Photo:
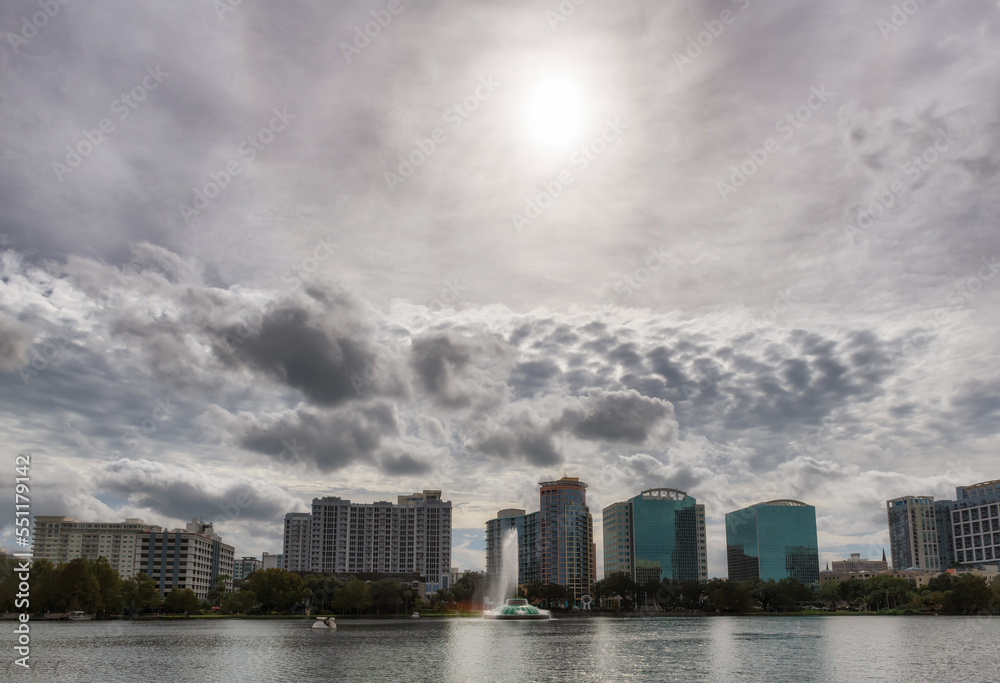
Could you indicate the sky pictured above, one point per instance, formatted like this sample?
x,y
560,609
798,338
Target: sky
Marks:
x,y
254,253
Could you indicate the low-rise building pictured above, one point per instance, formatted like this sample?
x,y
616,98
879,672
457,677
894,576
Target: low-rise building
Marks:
x,y
857,564
244,567
271,561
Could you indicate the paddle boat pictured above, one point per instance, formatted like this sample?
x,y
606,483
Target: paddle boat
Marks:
x,y
325,623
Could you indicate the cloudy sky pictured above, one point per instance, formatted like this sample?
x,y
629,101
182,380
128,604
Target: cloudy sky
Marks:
x,y
265,253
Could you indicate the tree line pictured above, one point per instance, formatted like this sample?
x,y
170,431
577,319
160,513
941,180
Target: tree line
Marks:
x,y
93,586
946,593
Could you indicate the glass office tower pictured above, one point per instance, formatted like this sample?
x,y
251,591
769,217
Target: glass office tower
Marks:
x,y
773,540
668,544
657,535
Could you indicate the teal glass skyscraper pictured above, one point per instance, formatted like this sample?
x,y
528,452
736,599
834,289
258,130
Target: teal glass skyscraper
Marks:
x,y
657,535
773,540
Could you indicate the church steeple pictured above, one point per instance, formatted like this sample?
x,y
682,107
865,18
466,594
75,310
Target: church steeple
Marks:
x,y
883,554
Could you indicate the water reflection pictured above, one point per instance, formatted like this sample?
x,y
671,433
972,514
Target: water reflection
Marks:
x,y
572,650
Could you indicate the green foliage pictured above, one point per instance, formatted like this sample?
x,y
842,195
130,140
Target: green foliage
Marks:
x,y
352,597
181,600
240,602
277,590
140,593
217,592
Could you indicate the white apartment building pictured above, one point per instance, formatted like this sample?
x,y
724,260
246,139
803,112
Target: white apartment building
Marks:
x,y
411,536
62,539
295,546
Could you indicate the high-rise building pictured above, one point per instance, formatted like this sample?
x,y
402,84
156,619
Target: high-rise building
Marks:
x,y
190,558
529,549
975,524
244,567
913,535
271,561
411,536
296,542
618,539
61,539
773,540
657,535
566,529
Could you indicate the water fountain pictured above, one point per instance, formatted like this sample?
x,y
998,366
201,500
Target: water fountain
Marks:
x,y
511,608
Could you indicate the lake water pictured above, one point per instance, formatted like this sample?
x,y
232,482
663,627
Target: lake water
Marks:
x,y
848,649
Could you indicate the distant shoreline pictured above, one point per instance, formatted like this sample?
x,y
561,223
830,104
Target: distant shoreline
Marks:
x,y
556,616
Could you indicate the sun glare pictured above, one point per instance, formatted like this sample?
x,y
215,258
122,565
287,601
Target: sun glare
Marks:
x,y
554,112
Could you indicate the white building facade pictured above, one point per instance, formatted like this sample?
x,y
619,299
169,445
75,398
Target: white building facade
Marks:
x,y
411,536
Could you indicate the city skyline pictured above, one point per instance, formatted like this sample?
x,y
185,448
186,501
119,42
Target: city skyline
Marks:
x,y
254,256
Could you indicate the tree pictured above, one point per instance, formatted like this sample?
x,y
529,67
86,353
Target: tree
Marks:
x,y
240,602
829,593
218,590
276,589
140,593
353,596
78,586
109,585
181,600
621,584
385,596
969,594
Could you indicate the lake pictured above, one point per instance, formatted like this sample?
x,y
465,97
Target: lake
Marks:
x,y
825,648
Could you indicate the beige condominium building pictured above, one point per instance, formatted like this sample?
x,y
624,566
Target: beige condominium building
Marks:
x,y
62,539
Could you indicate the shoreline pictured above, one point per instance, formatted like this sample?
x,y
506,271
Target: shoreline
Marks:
x,y
555,616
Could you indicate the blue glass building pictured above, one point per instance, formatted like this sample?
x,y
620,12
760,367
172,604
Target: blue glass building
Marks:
x,y
773,540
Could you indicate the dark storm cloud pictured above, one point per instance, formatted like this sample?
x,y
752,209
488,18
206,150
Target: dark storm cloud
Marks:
x,y
329,439
617,417
183,494
522,438
530,377
329,367
436,361
976,406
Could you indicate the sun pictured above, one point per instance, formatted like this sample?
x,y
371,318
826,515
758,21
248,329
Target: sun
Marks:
x,y
554,111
